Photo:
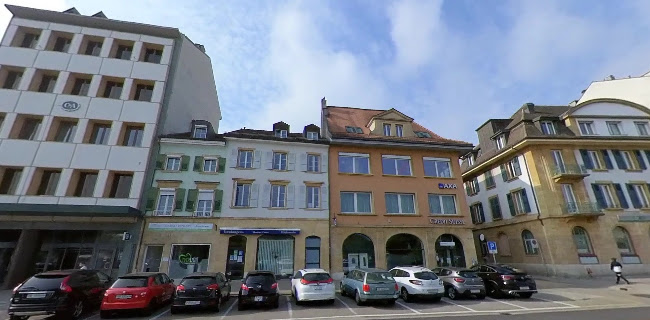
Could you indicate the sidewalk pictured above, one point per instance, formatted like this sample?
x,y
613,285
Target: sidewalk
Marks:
x,y
638,285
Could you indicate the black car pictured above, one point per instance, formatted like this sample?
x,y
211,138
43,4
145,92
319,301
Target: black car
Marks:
x,y
501,279
201,290
65,293
259,288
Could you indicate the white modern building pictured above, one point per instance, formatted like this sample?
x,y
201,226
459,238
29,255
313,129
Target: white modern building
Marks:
x,y
82,100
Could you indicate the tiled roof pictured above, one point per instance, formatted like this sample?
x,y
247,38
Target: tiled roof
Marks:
x,y
189,136
270,135
340,117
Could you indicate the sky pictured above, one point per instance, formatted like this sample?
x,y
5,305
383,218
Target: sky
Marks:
x,y
450,65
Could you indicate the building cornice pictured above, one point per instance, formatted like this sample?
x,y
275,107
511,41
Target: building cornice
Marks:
x,y
289,143
407,145
193,142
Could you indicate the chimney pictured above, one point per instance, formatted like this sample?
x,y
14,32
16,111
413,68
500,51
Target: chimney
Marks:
x,y
200,46
529,107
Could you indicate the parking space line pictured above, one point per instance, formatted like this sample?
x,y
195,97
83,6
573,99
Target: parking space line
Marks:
x,y
346,305
558,302
290,310
508,303
229,309
407,307
456,304
159,315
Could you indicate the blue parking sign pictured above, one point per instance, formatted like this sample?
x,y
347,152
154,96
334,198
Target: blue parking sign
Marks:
x,y
492,247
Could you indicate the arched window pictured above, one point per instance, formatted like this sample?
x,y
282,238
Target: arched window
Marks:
x,y
623,241
504,245
530,244
582,241
312,252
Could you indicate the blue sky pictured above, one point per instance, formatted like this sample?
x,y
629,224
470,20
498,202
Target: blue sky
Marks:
x,y
448,64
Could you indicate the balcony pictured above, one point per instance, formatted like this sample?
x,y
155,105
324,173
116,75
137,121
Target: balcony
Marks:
x,y
583,209
569,173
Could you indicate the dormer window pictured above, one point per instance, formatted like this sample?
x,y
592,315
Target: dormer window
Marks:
x,y
422,134
200,132
281,133
470,160
353,130
311,135
387,129
548,127
399,130
501,142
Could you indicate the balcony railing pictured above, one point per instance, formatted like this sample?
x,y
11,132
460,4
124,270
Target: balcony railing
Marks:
x,y
572,169
203,213
163,213
583,209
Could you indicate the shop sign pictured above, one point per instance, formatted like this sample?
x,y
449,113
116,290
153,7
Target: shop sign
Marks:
x,y
257,231
447,243
70,106
634,218
447,186
187,258
181,226
446,221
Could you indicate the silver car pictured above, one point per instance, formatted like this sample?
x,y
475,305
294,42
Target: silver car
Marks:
x,y
365,285
461,282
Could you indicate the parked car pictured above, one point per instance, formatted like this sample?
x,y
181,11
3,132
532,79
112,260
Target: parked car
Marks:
x,y
370,284
417,282
461,282
502,279
65,293
143,292
259,288
312,285
201,290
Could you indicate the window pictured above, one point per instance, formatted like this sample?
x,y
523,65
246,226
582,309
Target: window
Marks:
x,y
65,130
80,86
626,156
396,165
49,179
113,89
604,195
186,257
495,207
245,159
93,46
153,55
399,130
501,141
569,198
582,241
10,180
85,184
489,179
47,81
472,187
29,128
623,242
511,169
61,44
478,215
595,160
586,127
313,197
204,203
400,203
313,163
99,133
281,133
200,132
614,128
30,40
422,134
530,244
518,202
165,202
354,163
242,194
143,92
639,194
353,130
121,186
210,165
12,79
311,135
355,202
312,252
442,204
278,196
642,128
279,161
437,167
470,160
123,50
548,127
387,129
133,136
173,164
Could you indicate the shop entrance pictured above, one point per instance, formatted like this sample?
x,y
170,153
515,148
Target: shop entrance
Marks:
x,y
358,252
275,253
236,257
404,249
449,251
8,240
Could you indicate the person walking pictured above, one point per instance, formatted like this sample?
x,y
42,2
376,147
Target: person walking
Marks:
x,y
617,267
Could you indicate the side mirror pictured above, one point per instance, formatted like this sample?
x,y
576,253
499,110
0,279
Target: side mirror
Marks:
x,y
171,280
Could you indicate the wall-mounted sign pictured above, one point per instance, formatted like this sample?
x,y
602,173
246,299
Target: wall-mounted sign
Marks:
x,y
447,186
634,218
181,226
70,106
257,231
447,243
446,221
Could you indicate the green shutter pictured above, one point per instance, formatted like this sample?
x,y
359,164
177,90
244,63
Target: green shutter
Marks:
x,y
198,164
185,163
160,161
218,197
504,174
180,197
222,165
192,196
150,199
511,204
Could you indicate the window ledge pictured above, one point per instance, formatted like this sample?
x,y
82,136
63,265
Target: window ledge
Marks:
x,y
237,208
403,214
240,168
313,172
279,170
613,209
312,209
209,172
355,214
633,170
512,179
355,174
599,170
170,171
446,178
398,176
490,187
285,208
440,215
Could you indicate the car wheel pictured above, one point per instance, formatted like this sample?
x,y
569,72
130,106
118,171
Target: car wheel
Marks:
x,y
391,302
357,298
76,310
276,304
452,293
12,317
218,304
241,306
343,294
436,299
493,291
294,293
480,296
148,310
227,297
331,301
526,295
103,314
405,295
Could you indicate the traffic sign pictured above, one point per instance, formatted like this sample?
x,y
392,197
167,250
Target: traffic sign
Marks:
x,y
492,247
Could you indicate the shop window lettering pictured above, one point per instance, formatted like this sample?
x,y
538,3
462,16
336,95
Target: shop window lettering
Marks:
x,y
187,258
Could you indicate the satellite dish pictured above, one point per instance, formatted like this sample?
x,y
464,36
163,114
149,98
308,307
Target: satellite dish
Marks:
x,y
482,237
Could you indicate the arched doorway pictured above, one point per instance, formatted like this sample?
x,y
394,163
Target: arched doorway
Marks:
x,y
275,253
358,252
404,249
236,257
449,251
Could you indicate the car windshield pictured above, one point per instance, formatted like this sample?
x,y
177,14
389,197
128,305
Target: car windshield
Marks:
x,y
198,281
260,279
467,274
44,281
131,282
379,277
316,277
425,275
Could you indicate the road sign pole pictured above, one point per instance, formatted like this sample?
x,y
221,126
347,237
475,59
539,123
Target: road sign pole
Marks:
x,y
494,257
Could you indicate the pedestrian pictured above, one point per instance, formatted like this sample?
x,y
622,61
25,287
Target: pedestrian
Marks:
x,y
82,266
617,267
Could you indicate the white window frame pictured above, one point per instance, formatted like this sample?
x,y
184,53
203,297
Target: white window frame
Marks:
x,y
399,130
245,202
204,206
587,128
399,203
569,197
210,168
311,135
641,194
518,202
280,161
595,159
642,128
440,196
394,157
611,125
475,211
203,135
248,161
387,129
435,166
550,127
313,166
629,161
470,160
278,200
169,206
313,199
356,193
500,141
558,160
282,133
356,157
176,166
510,168
608,195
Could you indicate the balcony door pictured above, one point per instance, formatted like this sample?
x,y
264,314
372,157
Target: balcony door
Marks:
x,y
569,198
558,161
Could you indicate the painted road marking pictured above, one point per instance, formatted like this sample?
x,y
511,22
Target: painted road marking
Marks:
x,y
346,305
407,307
456,304
229,309
159,315
508,303
290,310
558,302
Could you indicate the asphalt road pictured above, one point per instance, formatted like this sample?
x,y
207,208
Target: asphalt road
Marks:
x,y
618,314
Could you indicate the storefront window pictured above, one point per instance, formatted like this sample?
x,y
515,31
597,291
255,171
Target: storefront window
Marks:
x,y
449,251
236,257
152,259
358,252
275,253
404,250
188,258
312,252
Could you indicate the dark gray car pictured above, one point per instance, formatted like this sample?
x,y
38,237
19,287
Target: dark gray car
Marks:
x,y
461,282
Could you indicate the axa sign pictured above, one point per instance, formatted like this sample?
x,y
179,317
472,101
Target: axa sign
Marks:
x,y
447,186
71,106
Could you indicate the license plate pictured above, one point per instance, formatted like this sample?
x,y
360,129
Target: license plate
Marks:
x,y
475,291
123,296
36,295
192,303
258,298
524,288
433,291
318,288
383,289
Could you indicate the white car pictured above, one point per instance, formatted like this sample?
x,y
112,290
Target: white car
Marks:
x,y
418,281
312,285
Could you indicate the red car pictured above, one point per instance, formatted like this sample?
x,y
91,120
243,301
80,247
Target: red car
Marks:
x,y
142,292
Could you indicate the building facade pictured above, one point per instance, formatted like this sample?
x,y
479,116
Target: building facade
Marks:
x,y
562,189
395,192
82,99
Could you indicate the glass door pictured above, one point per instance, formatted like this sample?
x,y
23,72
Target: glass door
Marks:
x,y
152,258
559,161
569,198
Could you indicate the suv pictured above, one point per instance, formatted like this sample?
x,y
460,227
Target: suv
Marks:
x,y
461,282
417,281
201,290
259,288
370,284
312,284
502,279
64,293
